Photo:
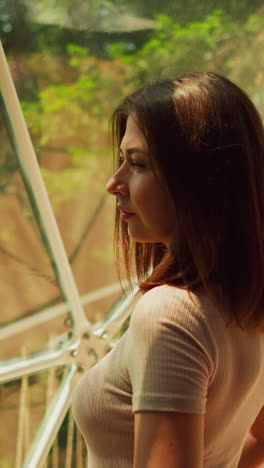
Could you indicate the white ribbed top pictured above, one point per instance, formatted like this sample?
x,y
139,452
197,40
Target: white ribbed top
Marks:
x,y
177,355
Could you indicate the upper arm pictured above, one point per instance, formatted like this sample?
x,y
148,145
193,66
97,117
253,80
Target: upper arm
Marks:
x,y
257,428
168,439
168,354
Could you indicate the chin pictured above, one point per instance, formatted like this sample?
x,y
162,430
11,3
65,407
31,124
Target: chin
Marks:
x,y
144,239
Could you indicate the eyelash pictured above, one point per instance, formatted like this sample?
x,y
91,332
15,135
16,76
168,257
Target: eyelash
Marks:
x,y
137,164
133,163
120,161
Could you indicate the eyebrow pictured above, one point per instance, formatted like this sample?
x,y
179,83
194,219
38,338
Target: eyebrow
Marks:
x,y
132,150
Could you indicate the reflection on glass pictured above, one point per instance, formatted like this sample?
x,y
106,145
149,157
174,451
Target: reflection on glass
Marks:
x,y
27,281
23,406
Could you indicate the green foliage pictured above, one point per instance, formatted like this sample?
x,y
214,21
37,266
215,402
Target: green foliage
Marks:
x,y
254,23
192,10
115,49
178,48
218,43
73,97
76,54
32,113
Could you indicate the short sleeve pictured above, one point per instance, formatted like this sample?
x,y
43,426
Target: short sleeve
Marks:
x,y
169,353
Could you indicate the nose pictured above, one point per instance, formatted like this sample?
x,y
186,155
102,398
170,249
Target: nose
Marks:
x,y
115,186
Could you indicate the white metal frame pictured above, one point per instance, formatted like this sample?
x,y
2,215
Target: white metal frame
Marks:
x,y
72,350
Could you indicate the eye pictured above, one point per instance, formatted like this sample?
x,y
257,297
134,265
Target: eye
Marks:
x,y
120,161
137,165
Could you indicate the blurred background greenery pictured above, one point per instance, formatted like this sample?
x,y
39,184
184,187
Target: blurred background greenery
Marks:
x,y
73,60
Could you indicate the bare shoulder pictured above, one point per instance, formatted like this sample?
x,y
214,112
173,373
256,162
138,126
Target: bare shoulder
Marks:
x,y
168,439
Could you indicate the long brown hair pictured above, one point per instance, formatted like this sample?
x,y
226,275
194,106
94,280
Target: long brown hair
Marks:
x,y
206,143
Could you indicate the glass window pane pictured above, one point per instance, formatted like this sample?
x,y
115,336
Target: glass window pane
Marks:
x,y
71,62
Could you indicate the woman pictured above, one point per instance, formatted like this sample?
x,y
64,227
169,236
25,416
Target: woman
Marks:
x,y
184,387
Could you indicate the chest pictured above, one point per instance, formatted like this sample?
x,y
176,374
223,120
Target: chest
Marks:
x,y
102,399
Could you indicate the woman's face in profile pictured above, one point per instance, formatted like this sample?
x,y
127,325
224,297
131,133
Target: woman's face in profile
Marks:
x,y
143,203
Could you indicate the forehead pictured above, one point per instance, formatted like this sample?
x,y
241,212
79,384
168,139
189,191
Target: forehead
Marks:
x,y
133,135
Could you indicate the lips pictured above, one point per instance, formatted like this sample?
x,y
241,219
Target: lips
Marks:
x,y
125,215
123,211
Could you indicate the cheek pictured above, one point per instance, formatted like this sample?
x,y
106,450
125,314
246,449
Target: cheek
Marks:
x,y
154,201
159,197
163,207
140,193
